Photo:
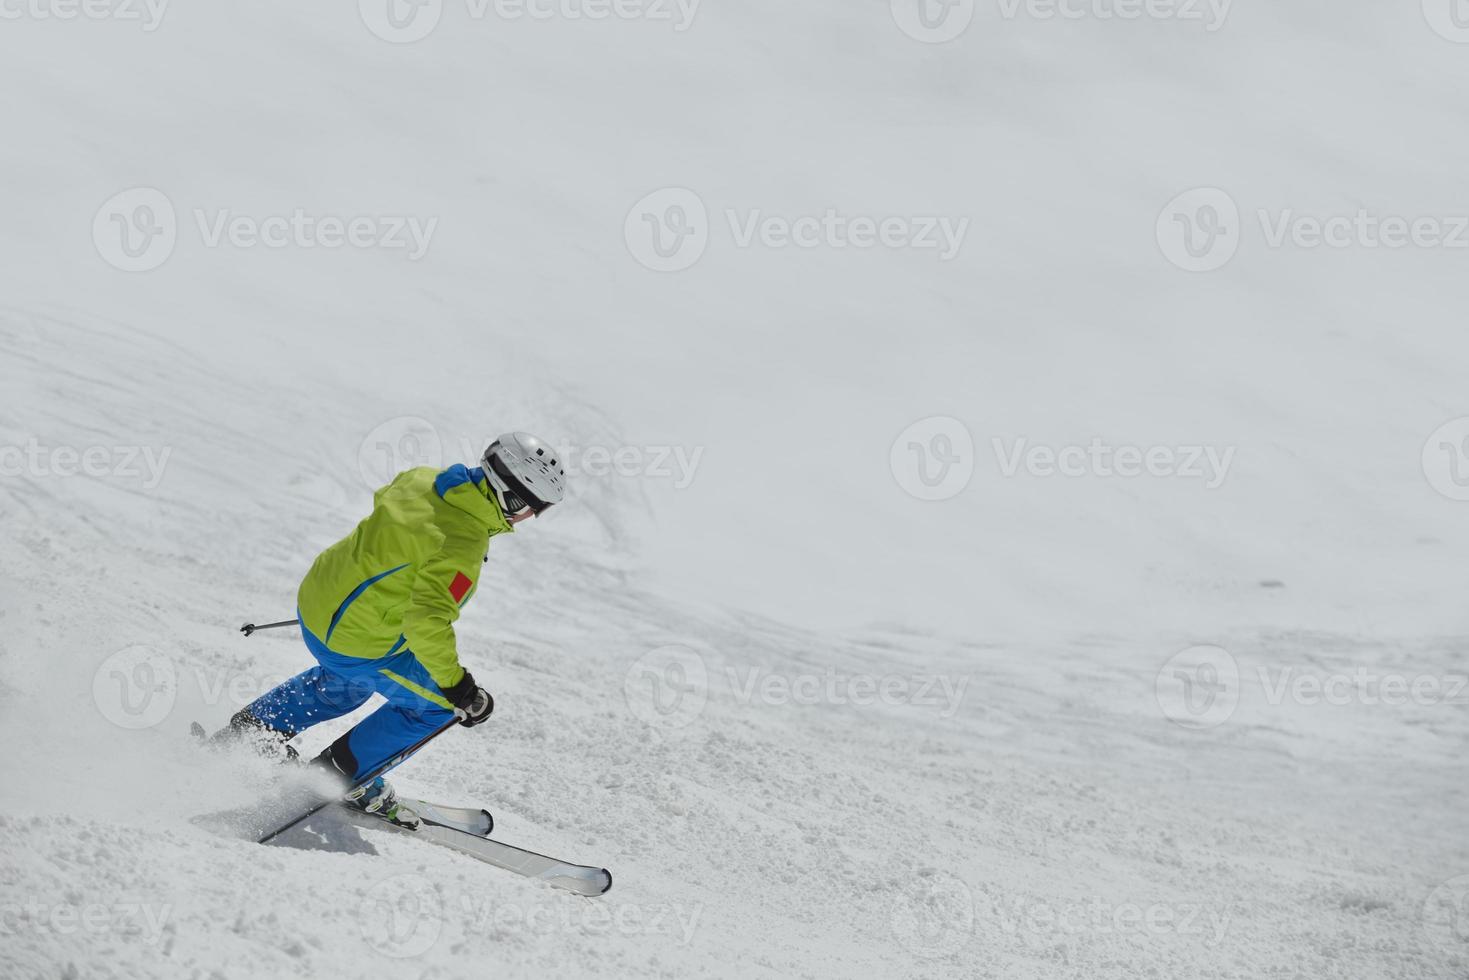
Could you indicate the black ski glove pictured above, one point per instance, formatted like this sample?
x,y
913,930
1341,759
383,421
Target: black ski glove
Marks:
x,y
474,702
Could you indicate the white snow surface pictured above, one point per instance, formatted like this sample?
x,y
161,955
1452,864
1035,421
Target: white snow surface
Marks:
x,y
1018,804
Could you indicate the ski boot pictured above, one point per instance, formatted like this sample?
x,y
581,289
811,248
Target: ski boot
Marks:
x,y
245,728
379,799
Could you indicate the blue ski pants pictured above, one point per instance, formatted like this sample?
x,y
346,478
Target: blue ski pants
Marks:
x,y
338,685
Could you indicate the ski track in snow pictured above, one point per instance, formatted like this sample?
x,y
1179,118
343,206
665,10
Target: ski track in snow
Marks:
x,y
757,840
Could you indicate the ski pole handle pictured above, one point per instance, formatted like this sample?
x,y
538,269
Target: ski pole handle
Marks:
x,y
250,628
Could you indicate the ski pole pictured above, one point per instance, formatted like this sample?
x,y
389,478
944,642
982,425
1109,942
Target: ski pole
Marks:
x,y
250,628
371,775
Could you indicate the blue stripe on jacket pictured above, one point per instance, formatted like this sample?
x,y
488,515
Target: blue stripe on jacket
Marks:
x,y
356,594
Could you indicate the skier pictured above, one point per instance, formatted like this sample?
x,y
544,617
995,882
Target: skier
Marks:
x,y
377,611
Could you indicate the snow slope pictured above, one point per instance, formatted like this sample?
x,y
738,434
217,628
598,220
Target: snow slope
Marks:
x,y
676,661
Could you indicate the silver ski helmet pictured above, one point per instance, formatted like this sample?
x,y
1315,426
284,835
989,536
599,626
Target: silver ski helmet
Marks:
x,y
523,471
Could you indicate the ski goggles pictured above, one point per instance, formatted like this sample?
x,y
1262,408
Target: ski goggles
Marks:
x,y
510,492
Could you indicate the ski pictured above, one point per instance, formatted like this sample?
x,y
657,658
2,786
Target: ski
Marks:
x,y
464,819
461,829
577,878
325,801
471,821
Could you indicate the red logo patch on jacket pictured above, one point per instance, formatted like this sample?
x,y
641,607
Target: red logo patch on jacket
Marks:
x,y
459,588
